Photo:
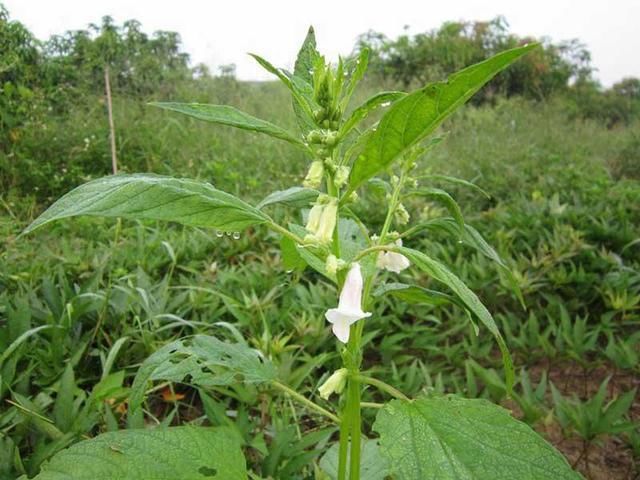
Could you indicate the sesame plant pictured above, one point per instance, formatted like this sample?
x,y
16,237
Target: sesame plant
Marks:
x,y
430,437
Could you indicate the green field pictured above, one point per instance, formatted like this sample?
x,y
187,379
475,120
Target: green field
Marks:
x,y
84,302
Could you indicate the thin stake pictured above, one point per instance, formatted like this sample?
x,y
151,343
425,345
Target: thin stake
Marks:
x,y
112,132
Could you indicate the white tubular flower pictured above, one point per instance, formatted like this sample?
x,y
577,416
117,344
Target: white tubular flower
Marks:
x,y
349,305
392,261
334,384
314,175
328,220
313,220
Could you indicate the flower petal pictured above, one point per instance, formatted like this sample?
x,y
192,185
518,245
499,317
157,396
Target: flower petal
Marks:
x,y
341,331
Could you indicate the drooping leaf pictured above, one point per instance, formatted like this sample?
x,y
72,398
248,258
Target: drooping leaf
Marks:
x,y
414,117
370,105
455,180
415,294
293,197
206,361
471,237
374,466
158,454
442,274
451,438
443,197
155,197
230,116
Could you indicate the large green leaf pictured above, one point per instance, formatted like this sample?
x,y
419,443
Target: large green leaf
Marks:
x,y
442,274
227,115
206,361
417,115
374,466
145,196
158,454
451,438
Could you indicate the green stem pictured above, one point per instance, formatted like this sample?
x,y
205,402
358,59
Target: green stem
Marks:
x,y
356,428
383,386
305,401
283,231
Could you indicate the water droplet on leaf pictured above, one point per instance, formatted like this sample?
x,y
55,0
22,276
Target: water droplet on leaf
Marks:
x,y
219,233
236,235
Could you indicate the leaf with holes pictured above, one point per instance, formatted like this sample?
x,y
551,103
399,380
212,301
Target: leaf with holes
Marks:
x,y
157,453
206,361
452,438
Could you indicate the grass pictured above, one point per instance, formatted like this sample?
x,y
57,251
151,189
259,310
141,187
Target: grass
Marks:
x,y
83,303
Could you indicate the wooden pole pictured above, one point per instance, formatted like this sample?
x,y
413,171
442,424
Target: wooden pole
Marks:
x,y
112,131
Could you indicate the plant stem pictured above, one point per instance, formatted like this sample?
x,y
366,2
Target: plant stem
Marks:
x,y
354,413
283,231
305,401
383,386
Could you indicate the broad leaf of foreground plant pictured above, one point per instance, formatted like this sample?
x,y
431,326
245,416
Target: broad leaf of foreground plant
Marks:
x,y
418,114
442,274
206,360
155,197
230,116
374,466
158,454
451,438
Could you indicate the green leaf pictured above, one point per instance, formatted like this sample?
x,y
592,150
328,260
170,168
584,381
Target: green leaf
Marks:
x,y
471,237
355,68
442,274
155,197
451,438
443,197
306,57
206,360
373,103
291,259
293,197
414,294
230,116
63,409
158,454
454,180
374,466
414,117
301,90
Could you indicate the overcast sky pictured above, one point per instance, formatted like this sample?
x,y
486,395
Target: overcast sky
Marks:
x,y
221,32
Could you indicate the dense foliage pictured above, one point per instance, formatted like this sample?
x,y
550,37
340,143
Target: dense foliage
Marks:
x,y
82,305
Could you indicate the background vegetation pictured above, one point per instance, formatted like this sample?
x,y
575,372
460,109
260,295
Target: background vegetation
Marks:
x,y
83,303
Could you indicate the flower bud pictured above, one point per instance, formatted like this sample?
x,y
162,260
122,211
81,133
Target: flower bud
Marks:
x,y
334,384
328,220
314,136
341,176
313,220
314,175
333,264
401,215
